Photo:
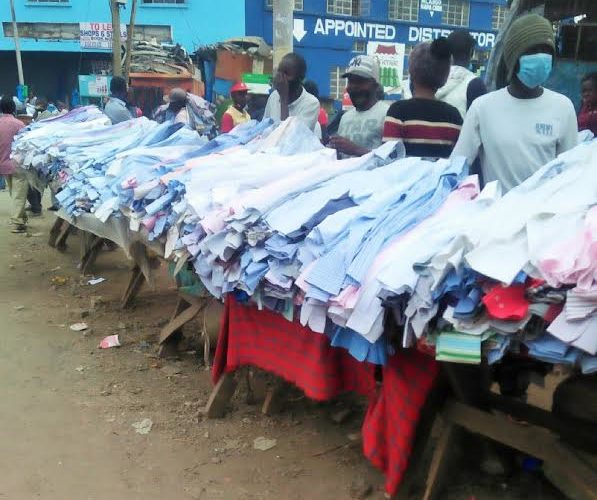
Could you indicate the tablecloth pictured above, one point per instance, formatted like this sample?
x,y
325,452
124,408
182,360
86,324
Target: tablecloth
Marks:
x,y
268,341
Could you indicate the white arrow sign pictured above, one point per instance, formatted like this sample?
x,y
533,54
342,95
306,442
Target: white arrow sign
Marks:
x,y
298,30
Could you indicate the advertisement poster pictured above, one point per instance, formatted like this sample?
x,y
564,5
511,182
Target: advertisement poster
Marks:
x,y
391,64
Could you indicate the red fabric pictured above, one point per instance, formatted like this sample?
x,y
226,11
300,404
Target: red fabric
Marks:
x,y
268,341
322,118
429,131
507,303
587,119
227,123
391,421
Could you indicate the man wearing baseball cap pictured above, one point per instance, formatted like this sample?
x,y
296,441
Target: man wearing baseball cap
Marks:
x,y
516,130
361,128
236,112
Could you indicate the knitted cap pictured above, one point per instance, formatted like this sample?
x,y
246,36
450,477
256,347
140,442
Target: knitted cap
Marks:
x,y
526,32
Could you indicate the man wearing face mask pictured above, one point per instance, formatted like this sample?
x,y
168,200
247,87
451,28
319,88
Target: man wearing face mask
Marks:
x,y
518,129
289,98
361,128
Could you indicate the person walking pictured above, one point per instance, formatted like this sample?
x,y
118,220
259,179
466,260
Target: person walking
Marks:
x,y
15,178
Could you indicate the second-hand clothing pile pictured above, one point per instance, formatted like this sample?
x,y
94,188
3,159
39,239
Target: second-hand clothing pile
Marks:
x,y
265,212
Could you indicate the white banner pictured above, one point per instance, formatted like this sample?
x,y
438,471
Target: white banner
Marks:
x,y
98,35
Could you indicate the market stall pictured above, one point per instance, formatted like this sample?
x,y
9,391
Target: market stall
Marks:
x,y
335,270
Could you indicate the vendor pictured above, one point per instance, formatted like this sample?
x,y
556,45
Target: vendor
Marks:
x,y
236,112
427,127
361,128
116,107
587,118
517,129
289,98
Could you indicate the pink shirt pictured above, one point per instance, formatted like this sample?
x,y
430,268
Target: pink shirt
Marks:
x,y
9,126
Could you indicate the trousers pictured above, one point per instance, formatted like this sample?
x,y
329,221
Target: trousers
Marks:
x,y
18,188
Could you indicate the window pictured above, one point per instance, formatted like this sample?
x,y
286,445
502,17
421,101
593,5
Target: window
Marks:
x,y
157,2
456,12
354,8
298,4
499,16
403,10
337,83
359,46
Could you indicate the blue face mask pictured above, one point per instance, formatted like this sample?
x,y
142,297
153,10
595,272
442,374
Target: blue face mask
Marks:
x,y
535,69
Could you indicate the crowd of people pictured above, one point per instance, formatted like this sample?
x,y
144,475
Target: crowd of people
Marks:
x,y
506,135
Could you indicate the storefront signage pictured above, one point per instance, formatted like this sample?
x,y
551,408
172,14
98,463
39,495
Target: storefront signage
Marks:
x,y
432,6
94,86
98,35
416,34
354,29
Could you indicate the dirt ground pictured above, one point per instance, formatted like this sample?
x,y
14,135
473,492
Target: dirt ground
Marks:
x,y
67,408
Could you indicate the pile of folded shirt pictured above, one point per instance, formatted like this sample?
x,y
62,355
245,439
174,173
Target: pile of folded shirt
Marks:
x,y
267,213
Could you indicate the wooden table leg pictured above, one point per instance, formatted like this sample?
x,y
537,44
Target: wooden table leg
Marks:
x,y
60,242
91,250
55,231
135,283
221,395
273,398
439,462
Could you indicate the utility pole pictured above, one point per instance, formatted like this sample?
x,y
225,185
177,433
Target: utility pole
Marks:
x,y
15,34
116,43
129,41
283,26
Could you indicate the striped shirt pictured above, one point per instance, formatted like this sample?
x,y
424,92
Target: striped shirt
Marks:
x,y
428,128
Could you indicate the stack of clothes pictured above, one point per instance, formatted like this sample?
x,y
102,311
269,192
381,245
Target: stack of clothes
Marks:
x,y
268,214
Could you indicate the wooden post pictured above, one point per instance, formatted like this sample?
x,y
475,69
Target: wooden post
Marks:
x,y
15,34
116,42
283,12
129,41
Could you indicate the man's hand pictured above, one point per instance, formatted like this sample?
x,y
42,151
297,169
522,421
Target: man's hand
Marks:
x,y
281,85
346,146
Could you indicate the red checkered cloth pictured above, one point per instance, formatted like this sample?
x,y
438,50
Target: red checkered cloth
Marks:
x,y
268,341
391,420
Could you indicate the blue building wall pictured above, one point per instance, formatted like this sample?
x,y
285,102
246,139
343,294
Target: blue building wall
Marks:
x,y
194,23
51,66
329,43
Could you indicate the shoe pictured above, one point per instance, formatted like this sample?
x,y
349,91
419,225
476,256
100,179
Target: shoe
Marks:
x,y
19,229
35,214
54,208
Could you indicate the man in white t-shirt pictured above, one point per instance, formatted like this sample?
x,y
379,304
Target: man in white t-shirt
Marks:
x,y
516,130
289,97
361,128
